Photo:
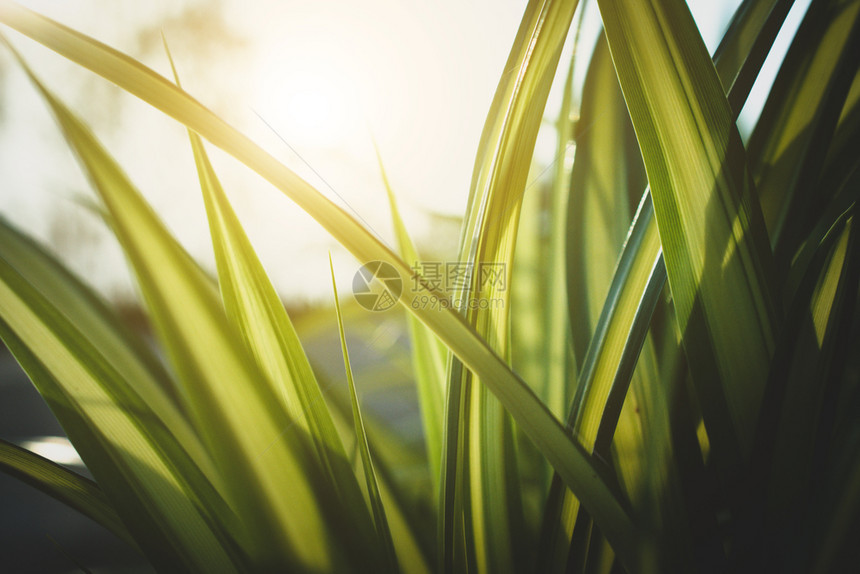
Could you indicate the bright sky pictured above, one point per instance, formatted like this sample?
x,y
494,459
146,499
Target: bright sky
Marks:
x,y
315,82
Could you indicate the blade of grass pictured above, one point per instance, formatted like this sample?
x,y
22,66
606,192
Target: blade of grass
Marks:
x,y
737,60
222,386
746,22
408,506
110,397
531,415
598,219
255,309
847,193
499,180
558,370
64,485
454,551
789,144
845,140
429,355
793,419
835,364
381,522
532,339
715,246
409,514
609,364
840,167
599,213
739,56
745,45
141,373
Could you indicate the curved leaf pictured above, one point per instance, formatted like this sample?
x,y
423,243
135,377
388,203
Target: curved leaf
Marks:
x,y
64,485
487,253
221,385
80,368
255,309
534,419
623,322
715,245
380,521
788,146
429,355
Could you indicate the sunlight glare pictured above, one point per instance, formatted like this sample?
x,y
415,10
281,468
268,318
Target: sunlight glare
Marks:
x,y
315,102
318,112
54,448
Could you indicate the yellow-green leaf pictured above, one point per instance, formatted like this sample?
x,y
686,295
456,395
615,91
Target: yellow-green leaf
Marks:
x,y
111,399
534,419
64,485
714,241
255,309
222,387
486,257
429,355
383,532
788,146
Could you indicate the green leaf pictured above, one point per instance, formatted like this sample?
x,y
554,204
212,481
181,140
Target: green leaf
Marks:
x,y
487,246
598,218
607,367
222,387
530,414
110,397
796,418
642,438
381,522
64,485
789,144
412,527
429,355
714,241
841,159
559,359
847,193
746,44
256,311
599,211
609,364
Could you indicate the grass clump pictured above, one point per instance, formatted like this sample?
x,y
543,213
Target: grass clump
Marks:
x,y
691,392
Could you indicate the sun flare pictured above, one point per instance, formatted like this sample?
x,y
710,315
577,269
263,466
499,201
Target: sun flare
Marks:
x,y
316,106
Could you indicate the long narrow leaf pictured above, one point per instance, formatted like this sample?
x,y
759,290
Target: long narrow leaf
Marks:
x,y
532,416
429,355
254,307
714,241
487,255
222,387
412,526
382,530
793,419
599,211
737,60
111,398
64,485
786,148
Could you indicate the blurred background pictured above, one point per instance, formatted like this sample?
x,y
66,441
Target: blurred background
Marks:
x,y
318,84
